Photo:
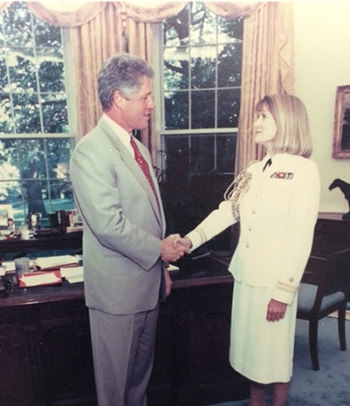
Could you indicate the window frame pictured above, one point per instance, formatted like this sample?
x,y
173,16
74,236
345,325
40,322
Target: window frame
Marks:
x,y
160,131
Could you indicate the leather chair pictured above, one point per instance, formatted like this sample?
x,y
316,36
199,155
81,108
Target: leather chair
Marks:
x,y
323,291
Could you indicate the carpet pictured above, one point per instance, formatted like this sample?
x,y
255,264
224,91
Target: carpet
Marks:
x,y
330,386
335,314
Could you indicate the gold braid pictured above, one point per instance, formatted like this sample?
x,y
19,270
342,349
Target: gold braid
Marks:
x,y
239,186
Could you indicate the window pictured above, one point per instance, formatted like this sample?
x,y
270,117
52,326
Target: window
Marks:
x,y
200,69
35,135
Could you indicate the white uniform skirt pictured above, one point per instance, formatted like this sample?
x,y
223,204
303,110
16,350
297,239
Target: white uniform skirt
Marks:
x,y
260,350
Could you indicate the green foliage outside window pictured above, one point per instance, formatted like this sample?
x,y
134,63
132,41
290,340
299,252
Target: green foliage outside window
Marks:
x,y
35,139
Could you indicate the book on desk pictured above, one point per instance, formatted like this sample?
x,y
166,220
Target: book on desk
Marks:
x,y
51,270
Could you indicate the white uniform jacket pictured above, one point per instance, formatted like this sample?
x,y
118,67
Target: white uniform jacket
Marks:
x,y
277,215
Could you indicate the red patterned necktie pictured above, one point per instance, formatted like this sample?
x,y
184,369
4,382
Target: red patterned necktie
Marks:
x,y
144,166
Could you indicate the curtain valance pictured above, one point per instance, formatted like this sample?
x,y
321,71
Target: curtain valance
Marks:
x,y
73,14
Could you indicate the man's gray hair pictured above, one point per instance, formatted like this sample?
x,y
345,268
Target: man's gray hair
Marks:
x,y
123,72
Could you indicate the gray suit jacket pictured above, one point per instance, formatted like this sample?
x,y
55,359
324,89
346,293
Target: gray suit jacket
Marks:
x,y
123,226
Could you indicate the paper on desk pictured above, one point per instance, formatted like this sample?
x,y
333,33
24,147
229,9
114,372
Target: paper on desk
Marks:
x,y
9,266
39,278
73,275
171,268
56,261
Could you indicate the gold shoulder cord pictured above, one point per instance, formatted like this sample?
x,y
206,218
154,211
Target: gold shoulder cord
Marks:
x,y
239,186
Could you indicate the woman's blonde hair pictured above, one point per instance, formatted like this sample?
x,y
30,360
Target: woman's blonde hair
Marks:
x,y
293,132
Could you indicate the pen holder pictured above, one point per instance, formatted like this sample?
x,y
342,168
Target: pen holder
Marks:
x,y
22,265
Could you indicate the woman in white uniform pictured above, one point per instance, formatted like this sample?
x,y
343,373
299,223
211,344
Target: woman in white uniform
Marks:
x,y
276,201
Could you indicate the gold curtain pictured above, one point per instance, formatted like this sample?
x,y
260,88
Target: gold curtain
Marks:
x,y
93,43
267,67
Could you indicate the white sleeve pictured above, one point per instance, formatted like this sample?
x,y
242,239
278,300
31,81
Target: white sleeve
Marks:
x,y
216,222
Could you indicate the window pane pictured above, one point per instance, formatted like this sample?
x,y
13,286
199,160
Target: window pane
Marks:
x,y
55,115
11,193
176,29
61,196
203,25
35,192
58,155
27,113
203,109
176,154
226,149
203,67
47,35
9,163
229,102
3,74
22,74
6,118
31,156
176,110
176,61
17,25
51,70
202,154
2,38
230,30
229,65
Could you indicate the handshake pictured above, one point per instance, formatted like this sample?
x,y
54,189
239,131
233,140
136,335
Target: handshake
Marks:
x,y
174,247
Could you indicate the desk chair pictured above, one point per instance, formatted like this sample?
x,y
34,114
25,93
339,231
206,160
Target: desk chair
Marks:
x,y
322,292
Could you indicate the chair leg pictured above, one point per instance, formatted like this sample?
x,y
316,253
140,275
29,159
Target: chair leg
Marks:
x,y
313,330
341,327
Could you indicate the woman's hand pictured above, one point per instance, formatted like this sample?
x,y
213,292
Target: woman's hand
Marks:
x,y
275,310
185,241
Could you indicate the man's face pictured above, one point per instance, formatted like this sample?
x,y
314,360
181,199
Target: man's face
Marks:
x,y
135,112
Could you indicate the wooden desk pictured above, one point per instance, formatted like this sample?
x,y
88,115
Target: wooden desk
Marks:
x,y
45,348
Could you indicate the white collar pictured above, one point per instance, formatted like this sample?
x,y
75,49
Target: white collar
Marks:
x,y
123,135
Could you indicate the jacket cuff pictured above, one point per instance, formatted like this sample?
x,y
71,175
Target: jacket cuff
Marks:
x,y
197,237
284,292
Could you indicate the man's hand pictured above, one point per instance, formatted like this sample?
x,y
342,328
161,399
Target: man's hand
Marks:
x,y
275,310
171,251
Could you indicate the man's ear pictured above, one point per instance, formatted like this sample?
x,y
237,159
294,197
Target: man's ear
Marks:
x,y
119,99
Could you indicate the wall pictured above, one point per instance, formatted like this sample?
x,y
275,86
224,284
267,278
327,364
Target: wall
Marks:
x,y
322,62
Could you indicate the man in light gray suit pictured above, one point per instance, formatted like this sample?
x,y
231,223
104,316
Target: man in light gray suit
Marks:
x,y
123,243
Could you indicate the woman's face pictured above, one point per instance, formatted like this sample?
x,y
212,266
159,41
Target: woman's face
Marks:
x,y
265,129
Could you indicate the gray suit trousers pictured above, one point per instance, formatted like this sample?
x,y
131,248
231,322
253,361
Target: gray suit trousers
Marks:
x,y
123,352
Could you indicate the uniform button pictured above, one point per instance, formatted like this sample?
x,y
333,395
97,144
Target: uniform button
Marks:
x,y
250,229
253,211
247,245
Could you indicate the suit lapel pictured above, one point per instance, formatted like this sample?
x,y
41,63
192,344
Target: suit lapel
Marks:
x,y
135,169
